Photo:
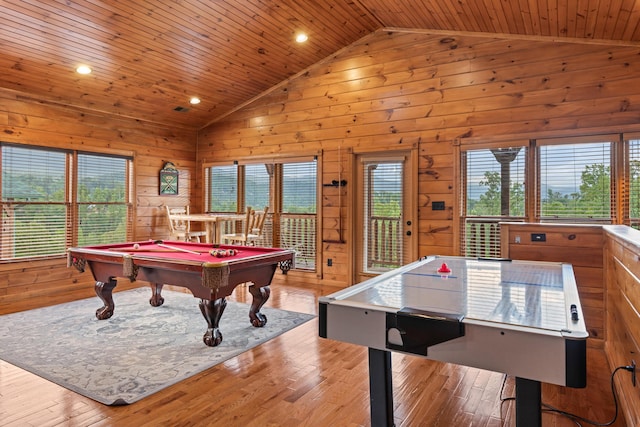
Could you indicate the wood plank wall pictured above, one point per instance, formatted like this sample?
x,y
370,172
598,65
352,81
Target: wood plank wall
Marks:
x,y
26,121
578,245
395,89
622,346
392,89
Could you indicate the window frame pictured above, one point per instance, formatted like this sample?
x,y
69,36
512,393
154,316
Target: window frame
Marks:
x,y
619,178
71,201
615,143
492,222
275,193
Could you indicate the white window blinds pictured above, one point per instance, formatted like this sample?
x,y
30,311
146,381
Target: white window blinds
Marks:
x,y
382,214
494,191
495,182
575,181
34,212
256,185
222,189
298,219
632,183
53,199
102,199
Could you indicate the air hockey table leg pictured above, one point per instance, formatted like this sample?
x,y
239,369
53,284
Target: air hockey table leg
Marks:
x,y
380,388
528,403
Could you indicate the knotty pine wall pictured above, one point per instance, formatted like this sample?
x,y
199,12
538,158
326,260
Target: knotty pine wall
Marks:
x,y
402,89
26,121
622,347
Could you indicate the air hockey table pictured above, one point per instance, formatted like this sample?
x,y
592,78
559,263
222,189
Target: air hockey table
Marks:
x,y
521,318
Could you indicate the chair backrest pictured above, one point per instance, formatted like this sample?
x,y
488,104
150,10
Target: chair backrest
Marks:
x,y
176,223
259,218
248,221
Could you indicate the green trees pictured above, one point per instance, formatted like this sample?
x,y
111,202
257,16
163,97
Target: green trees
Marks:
x,y
490,202
591,200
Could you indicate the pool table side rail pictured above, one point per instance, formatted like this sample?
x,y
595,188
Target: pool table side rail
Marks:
x,y
213,272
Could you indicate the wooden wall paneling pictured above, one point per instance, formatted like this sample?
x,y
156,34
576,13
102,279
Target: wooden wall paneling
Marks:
x,y
436,183
336,226
399,87
43,124
622,345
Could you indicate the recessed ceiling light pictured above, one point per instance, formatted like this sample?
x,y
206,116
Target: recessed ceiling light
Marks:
x,y
83,69
194,100
301,37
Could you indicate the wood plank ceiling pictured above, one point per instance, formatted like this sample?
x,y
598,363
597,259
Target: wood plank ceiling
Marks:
x,y
149,57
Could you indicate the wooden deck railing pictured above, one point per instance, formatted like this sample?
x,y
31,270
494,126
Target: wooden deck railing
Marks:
x,y
482,237
384,243
298,232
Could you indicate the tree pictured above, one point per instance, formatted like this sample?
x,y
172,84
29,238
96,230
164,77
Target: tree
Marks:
x,y
595,192
489,202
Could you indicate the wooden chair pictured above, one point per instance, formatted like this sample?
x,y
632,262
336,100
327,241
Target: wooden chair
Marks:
x,y
252,228
180,227
259,218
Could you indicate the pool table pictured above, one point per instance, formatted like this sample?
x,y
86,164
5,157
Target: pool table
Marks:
x,y
190,265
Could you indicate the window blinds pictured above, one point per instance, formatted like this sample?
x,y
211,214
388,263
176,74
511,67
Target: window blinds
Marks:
x,y
223,188
102,199
298,218
53,199
34,212
494,191
575,181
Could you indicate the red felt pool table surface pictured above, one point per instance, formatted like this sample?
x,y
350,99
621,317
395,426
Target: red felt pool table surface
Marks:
x,y
191,265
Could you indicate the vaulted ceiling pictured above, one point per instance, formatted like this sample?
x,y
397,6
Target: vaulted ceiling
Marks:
x,y
149,57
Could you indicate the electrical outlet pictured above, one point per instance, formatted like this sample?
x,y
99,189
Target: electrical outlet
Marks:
x,y
538,237
329,262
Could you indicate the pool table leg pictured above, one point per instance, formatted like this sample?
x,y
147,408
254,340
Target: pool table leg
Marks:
x,y
156,299
104,290
212,311
260,296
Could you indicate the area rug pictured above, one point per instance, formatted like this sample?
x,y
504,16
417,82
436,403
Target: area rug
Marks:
x,y
137,352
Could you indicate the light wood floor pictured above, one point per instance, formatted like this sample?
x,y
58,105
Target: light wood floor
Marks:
x,y
299,379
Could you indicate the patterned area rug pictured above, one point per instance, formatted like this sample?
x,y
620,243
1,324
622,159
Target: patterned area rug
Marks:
x,y
139,351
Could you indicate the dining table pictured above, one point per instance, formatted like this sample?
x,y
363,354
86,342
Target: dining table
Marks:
x,y
212,223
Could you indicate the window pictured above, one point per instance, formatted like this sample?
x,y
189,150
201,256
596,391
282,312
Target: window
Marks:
x,y
631,182
45,210
494,191
102,199
553,180
575,180
257,188
222,184
495,182
382,182
286,186
298,218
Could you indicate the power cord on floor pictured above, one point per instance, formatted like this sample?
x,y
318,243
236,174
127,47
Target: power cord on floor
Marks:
x,y
576,418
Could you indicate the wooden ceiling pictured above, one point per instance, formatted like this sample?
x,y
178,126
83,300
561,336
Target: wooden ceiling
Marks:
x,y
150,56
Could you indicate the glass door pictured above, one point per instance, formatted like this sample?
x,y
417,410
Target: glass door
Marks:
x,y
384,212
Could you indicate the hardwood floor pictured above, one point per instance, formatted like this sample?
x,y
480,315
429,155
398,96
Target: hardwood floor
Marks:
x,y
299,379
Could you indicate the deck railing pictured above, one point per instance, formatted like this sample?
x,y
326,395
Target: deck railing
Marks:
x,y
384,243
482,237
298,232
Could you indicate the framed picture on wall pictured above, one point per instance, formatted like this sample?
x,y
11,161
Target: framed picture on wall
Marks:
x,y
169,180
